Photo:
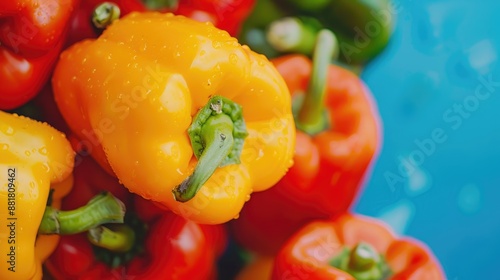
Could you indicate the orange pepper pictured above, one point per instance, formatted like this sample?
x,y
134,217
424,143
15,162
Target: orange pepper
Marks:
x,y
154,90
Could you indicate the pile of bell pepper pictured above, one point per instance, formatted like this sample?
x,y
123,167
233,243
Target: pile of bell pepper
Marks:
x,y
178,139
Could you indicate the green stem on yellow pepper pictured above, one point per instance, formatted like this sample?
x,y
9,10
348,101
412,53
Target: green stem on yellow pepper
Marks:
x,y
101,209
105,14
217,135
312,117
119,239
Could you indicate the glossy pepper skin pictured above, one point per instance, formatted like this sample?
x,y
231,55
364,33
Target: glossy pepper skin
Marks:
x,y
174,248
32,33
309,253
224,14
329,167
136,122
34,158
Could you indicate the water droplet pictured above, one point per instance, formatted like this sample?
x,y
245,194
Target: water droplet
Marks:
x,y
247,197
9,130
237,216
4,146
27,153
216,44
46,167
233,58
282,141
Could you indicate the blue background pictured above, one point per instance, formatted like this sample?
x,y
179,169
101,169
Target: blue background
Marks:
x,y
440,53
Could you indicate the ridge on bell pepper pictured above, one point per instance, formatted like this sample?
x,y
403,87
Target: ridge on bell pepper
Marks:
x,y
137,121
338,137
162,244
353,247
36,159
33,33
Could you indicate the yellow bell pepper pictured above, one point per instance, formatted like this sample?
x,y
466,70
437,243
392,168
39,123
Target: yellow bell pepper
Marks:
x,y
180,112
35,158
32,157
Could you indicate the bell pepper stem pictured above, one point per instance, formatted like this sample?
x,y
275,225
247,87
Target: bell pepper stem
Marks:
x,y
290,34
362,262
101,209
312,116
362,257
105,14
217,135
119,239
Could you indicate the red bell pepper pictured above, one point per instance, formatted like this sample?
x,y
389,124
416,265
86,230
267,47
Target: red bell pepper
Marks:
x,y
224,14
32,33
228,15
165,245
353,247
334,148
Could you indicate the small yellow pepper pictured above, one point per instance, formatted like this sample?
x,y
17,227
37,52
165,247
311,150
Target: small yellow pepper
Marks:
x,y
35,158
180,112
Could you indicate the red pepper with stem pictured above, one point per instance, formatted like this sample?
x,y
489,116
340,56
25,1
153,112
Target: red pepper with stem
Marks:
x,y
224,14
337,139
32,34
353,247
151,244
